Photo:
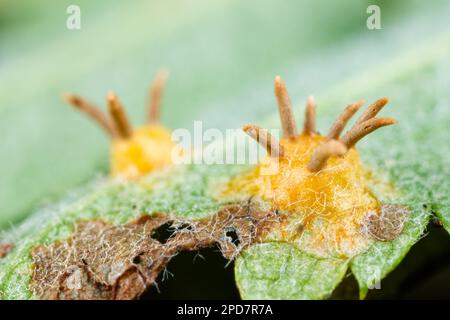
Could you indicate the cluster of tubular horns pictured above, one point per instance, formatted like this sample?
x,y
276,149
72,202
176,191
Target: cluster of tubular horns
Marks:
x,y
117,125
334,144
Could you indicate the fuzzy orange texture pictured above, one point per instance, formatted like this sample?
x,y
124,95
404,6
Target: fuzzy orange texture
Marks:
x,y
149,148
324,210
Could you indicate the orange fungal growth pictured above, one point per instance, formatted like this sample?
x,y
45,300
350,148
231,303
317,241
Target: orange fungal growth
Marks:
x,y
134,151
320,183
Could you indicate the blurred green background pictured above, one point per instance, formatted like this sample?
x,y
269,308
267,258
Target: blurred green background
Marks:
x,y
222,57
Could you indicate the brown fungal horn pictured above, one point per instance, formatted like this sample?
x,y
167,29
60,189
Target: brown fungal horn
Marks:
x,y
372,110
92,111
310,116
285,109
265,139
344,117
360,130
323,152
156,93
119,117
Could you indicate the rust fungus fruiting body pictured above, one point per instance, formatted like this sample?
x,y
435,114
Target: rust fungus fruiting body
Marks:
x,y
147,149
320,182
134,151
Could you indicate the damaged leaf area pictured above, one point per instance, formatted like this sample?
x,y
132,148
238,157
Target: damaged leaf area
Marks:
x,y
104,261
389,224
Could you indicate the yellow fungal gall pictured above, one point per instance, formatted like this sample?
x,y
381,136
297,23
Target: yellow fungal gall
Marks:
x,y
320,184
148,148
134,151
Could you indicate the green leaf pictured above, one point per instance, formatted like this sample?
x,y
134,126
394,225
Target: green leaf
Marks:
x,y
370,267
443,212
281,271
